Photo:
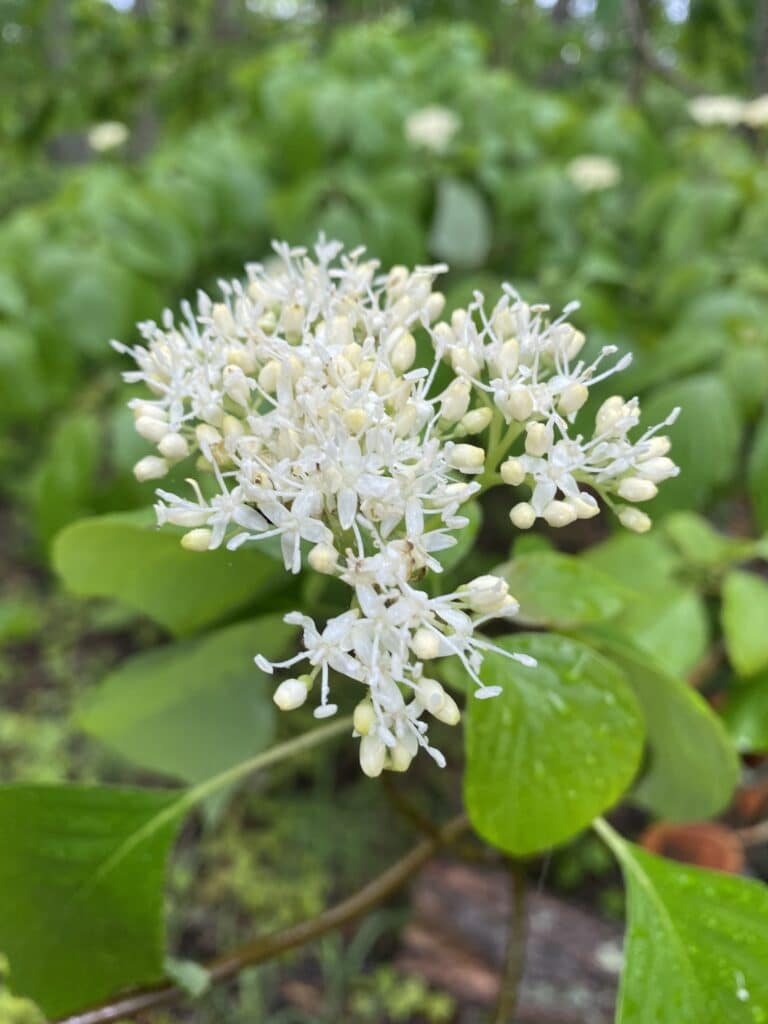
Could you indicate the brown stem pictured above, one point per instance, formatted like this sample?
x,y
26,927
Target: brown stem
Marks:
x,y
514,961
647,55
266,947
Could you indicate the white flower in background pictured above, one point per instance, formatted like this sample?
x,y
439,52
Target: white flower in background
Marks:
x,y
432,128
708,110
107,135
592,173
756,112
300,399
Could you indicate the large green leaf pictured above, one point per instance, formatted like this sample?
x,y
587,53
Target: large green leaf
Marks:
x,y
562,741
561,591
692,767
745,621
757,472
701,545
461,229
697,943
82,902
191,709
746,715
124,556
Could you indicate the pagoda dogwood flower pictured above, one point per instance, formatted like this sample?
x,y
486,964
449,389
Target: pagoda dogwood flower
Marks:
x,y
300,401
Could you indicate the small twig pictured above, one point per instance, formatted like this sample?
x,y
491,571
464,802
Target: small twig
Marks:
x,y
645,52
407,810
268,946
514,961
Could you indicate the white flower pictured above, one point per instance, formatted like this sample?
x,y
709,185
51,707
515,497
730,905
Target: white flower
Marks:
x,y
592,173
708,110
432,127
755,112
107,135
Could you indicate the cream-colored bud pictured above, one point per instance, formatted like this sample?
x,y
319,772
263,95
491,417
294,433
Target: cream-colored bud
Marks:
x,y
207,435
634,488
519,404
658,447
403,352
256,291
430,694
292,321
406,420
463,361
503,323
443,336
353,353
508,357
267,323
290,694
454,401
425,644
243,358
222,318
237,385
475,421
400,758
584,506
397,279
467,458
657,469
364,717
383,382
559,513
459,320
538,439
153,412
151,429
448,712
173,447
355,420
372,756
633,519
402,309
522,515
609,413
512,472
435,305
573,398
151,467
323,558
486,594
197,540
232,427
341,331
269,376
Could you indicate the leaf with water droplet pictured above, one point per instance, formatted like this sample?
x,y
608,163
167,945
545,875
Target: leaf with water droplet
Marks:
x,y
697,942
528,785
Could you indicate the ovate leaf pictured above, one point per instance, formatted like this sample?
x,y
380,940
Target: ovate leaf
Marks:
x,y
697,943
745,621
692,767
561,591
746,715
81,898
461,229
126,557
757,472
560,742
191,709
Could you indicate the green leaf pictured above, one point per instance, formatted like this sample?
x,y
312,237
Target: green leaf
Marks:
x,y
701,545
124,556
692,767
461,229
66,478
744,618
80,922
705,438
696,946
746,715
757,472
191,709
561,591
667,619
561,742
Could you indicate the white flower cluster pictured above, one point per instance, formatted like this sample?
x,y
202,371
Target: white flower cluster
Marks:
x,y
302,402
432,128
729,110
593,173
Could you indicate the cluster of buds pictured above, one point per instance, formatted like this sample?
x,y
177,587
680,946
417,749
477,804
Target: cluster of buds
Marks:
x,y
301,402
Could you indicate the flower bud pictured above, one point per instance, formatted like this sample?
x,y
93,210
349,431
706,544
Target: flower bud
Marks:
x,y
519,404
292,321
155,412
232,427
372,756
634,488
364,717
538,439
425,644
508,357
475,421
241,357
454,401
430,694
222,318
400,758
609,413
522,515
435,305
448,712
658,446
633,519
467,458
237,385
207,435
355,420
291,694
174,447
269,376
585,506
657,469
503,323
397,279
151,467
512,472
573,398
151,429
486,594
462,360
559,513
403,352
323,558
197,540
